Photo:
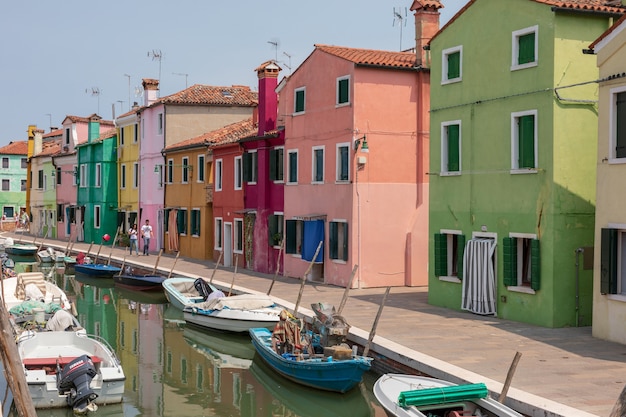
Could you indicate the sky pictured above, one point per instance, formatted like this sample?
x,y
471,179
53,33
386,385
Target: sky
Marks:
x,y
79,57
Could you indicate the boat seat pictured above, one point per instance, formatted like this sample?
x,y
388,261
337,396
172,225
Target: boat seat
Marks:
x,y
39,363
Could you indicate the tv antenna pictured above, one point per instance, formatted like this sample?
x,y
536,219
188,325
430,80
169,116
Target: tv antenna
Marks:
x,y
181,73
275,43
288,66
129,102
156,54
400,18
95,91
50,119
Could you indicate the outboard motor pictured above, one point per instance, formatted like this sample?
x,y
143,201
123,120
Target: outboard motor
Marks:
x,y
74,379
332,327
203,288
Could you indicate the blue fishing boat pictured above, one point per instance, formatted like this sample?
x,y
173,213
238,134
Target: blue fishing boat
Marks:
x,y
99,270
339,372
139,282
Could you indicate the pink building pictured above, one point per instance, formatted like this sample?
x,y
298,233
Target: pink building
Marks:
x,y
356,151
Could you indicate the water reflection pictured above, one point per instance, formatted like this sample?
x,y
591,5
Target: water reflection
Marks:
x,y
175,370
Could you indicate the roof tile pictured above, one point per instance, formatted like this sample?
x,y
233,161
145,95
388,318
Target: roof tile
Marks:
x,y
15,148
371,57
227,134
236,95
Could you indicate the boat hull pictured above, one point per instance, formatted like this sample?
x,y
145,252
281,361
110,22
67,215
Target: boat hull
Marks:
x,y
320,373
99,270
21,250
139,282
232,320
180,292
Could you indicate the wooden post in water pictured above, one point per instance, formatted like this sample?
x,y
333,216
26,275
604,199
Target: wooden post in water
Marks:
x,y
317,251
157,261
373,332
67,247
89,250
348,287
232,283
99,249
175,260
113,245
509,377
216,265
44,238
122,267
280,251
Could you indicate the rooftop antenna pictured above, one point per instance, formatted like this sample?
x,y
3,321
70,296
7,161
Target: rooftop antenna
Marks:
x,y
275,43
129,102
156,54
181,73
399,18
95,91
288,66
50,119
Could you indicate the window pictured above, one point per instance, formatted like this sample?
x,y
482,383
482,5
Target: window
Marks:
x,y
200,168
451,147
218,233
83,175
452,65
318,165
96,217
524,140
521,264
195,222
338,240
40,183
58,174
24,163
299,96
343,91
294,234
123,176
449,249
185,170
60,213
613,261
238,173
98,175
617,135
170,171
293,167
276,164
524,48
5,162
23,185
122,136
238,238
135,132
67,136
6,185
343,162
45,182
160,124
218,174
136,175
181,221
250,166
275,228
76,176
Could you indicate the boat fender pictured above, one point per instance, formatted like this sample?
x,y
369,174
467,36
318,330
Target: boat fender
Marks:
x,y
329,359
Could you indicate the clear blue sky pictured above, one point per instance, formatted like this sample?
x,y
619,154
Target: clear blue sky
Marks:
x,y
56,55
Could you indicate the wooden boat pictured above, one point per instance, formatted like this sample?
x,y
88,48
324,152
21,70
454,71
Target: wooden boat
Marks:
x,y
238,313
21,249
33,286
181,291
100,270
50,255
338,373
139,282
70,368
224,350
420,396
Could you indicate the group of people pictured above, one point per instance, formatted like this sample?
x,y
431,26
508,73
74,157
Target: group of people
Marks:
x,y
146,235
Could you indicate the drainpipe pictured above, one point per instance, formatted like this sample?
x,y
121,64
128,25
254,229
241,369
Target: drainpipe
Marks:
x,y
578,251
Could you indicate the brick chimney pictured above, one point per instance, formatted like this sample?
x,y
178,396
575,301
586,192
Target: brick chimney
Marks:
x,y
150,90
426,26
268,99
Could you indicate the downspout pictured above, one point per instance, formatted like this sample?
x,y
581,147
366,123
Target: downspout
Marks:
x,y
578,251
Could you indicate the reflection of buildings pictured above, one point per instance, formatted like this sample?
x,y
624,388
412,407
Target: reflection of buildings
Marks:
x,y
95,307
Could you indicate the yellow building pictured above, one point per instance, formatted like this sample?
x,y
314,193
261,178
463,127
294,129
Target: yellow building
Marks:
x,y
128,170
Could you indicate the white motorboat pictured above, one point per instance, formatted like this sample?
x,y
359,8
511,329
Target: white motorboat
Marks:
x,y
183,291
32,286
419,396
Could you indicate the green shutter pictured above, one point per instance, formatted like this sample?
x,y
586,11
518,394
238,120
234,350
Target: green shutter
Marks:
x,y
460,252
293,167
454,65
290,236
453,148
247,166
273,156
526,48
608,262
509,254
299,105
180,221
343,164
441,254
526,126
272,228
620,117
535,265
345,241
333,240
343,91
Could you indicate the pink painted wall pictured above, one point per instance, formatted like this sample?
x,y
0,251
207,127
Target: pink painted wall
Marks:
x,y
386,206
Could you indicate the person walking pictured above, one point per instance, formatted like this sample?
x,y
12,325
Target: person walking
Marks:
x,y
132,235
146,233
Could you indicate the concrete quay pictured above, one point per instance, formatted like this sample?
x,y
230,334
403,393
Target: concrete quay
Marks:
x,y
562,372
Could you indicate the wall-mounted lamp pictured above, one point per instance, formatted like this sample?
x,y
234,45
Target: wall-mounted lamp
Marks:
x,y
362,141
157,168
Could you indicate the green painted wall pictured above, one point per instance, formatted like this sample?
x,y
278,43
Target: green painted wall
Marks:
x,y
557,202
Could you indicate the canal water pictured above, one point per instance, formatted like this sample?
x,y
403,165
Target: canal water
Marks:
x,y
174,369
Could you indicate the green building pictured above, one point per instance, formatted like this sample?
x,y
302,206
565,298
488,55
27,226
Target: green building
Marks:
x,y
13,169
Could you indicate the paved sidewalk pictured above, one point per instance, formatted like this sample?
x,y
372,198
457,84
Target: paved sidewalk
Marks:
x,y
562,372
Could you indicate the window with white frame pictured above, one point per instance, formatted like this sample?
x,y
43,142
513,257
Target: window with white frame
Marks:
x,y
76,175
343,162
452,65
294,235
338,240
613,260
182,221
524,141
299,98
219,164
195,222
5,162
135,132
238,173
6,185
275,227
83,175
617,131
292,160
343,91
200,168
521,264
185,170
122,136
170,171
250,166
96,217
98,180
451,148
276,164
449,248
218,238
23,185
238,236
123,176
135,174
160,124
24,163
67,136
317,176
524,48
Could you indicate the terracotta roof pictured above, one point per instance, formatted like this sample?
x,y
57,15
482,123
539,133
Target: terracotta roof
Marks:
x,y
236,95
608,31
425,4
78,119
371,56
50,148
15,148
227,134
51,134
